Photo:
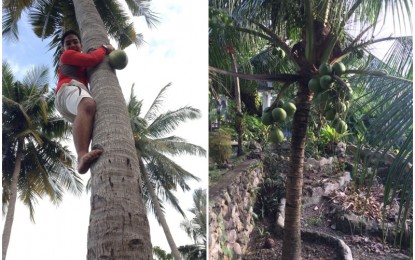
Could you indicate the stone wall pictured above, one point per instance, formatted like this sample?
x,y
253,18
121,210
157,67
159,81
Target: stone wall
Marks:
x,y
231,202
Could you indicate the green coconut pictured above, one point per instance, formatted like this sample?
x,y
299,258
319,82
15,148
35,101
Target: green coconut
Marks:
x,y
276,136
330,114
314,85
341,107
279,114
118,59
339,68
289,108
325,69
326,82
340,126
347,103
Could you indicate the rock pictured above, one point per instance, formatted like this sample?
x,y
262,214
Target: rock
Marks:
x,y
345,180
343,251
324,162
340,149
313,196
286,146
232,236
280,215
254,146
230,210
256,154
328,187
389,158
237,250
311,163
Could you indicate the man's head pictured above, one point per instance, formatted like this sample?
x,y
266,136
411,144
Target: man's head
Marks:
x,y
71,41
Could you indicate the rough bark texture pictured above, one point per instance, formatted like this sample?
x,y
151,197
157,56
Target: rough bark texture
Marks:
x,y
160,214
12,200
292,224
118,227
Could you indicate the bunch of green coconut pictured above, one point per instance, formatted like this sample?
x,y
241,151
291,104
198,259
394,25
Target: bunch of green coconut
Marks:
x,y
332,96
276,116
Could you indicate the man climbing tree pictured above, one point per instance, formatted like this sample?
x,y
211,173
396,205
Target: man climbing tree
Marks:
x,y
73,99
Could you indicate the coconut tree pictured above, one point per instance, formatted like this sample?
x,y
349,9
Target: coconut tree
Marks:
x,y
196,227
118,226
35,164
160,254
309,34
161,175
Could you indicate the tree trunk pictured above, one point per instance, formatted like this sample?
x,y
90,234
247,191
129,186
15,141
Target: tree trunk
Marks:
x,y
160,215
118,225
294,184
12,200
239,115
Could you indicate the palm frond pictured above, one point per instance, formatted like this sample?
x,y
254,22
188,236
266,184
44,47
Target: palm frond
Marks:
x,y
176,146
9,24
117,22
169,121
142,8
47,166
156,105
45,16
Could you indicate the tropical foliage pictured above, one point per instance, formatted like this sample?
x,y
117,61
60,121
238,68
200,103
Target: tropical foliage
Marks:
x,y
160,254
285,42
28,113
35,163
50,19
155,147
196,228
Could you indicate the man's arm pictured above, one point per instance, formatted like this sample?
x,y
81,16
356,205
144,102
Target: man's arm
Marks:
x,y
76,58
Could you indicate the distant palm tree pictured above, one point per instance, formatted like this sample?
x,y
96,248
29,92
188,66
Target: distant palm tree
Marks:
x,y
160,254
196,228
34,163
161,174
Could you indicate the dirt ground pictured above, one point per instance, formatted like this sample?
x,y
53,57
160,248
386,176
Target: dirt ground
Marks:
x,y
265,243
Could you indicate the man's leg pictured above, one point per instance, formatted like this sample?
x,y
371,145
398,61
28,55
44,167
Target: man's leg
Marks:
x,y
82,134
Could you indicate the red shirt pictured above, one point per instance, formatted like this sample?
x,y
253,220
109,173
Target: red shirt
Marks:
x,y
73,65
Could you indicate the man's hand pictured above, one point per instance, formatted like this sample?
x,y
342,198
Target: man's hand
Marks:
x,y
108,47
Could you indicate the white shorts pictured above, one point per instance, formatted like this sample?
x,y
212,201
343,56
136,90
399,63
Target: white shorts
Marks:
x,y
68,97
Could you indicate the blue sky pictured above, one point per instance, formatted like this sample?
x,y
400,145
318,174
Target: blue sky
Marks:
x,y
175,52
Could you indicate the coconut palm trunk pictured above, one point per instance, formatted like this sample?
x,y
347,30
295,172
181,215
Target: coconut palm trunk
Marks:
x,y
12,201
118,227
292,223
239,115
160,214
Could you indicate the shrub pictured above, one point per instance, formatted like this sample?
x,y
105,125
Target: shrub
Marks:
x,y
220,148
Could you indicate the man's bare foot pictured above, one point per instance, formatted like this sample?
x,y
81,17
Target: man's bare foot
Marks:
x,y
85,161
